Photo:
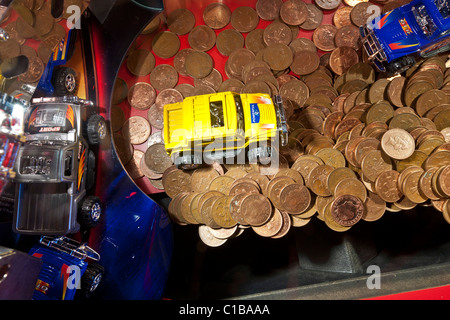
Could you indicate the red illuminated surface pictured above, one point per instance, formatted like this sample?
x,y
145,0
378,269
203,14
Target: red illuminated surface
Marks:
x,y
438,293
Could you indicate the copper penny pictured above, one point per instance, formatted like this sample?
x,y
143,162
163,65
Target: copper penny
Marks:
x,y
328,4
342,59
323,37
347,210
141,96
157,159
268,9
216,15
294,12
305,62
271,227
168,96
164,76
295,198
287,223
180,21
386,186
202,38
165,44
136,129
229,40
314,18
244,19
175,182
199,64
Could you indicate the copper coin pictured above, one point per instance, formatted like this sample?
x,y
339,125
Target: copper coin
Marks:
x,y
328,4
163,76
348,36
216,15
165,44
323,37
168,96
341,17
386,186
317,180
287,223
221,212
202,38
255,41
342,59
361,13
157,159
229,40
374,207
141,62
244,19
295,198
148,172
395,91
213,80
236,208
347,210
279,56
296,91
208,238
305,62
257,209
199,64
123,147
141,96
202,177
271,227
155,117
294,12
136,129
277,33
314,18
43,23
268,9
179,60
180,21
34,72
133,167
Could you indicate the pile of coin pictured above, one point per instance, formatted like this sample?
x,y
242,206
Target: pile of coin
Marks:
x,y
34,33
360,144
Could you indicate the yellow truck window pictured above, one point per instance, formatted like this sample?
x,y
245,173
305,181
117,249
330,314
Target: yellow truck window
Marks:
x,y
216,112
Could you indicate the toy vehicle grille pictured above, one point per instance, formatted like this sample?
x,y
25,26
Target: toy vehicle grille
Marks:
x,y
373,47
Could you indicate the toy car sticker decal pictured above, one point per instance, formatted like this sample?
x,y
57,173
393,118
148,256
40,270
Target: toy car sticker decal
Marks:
x,y
399,45
64,275
384,20
405,26
81,164
42,286
70,115
254,112
32,120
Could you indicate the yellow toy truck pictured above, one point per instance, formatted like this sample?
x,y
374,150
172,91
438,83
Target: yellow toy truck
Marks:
x,y
214,127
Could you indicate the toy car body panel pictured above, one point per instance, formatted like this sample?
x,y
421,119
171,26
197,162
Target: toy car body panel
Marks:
x,y
227,120
63,266
52,166
417,28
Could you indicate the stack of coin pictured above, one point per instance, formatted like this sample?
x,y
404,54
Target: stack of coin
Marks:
x,y
34,33
360,143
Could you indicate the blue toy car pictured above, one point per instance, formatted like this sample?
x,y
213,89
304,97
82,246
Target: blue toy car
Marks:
x,y
419,29
58,79
65,270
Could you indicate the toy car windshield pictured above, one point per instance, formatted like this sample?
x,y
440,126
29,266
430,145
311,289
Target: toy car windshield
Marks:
x,y
424,20
71,247
443,7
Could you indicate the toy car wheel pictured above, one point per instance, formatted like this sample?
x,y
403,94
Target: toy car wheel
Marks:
x,y
91,211
400,65
96,129
260,154
91,279
65,81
